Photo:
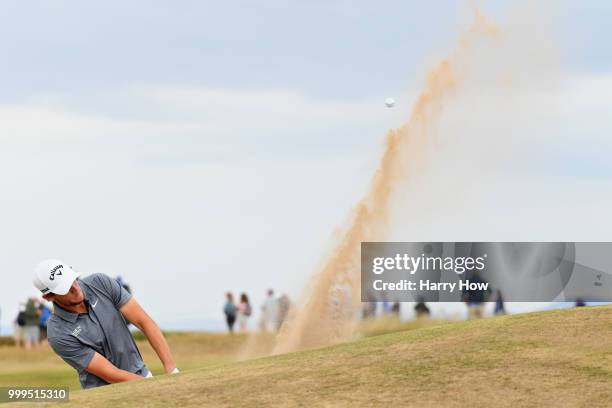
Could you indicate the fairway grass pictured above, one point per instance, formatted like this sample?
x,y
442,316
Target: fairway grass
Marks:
x,y
559,358
41,367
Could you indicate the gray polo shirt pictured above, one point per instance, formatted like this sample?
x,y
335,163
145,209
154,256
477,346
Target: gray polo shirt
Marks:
x,y
76,337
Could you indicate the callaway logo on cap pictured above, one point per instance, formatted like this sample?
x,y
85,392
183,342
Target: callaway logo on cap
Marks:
x,y
54,276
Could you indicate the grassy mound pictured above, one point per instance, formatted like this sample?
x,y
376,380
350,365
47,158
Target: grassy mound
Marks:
x,y
549,359
42,368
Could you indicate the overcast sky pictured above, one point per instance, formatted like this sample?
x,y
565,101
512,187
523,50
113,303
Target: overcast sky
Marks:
x,y
195,147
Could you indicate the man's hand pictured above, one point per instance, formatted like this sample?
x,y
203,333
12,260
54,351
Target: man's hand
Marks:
x,y
104,369
139,318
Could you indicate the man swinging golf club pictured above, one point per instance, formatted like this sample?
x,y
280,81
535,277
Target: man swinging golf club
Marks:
x,y
88,329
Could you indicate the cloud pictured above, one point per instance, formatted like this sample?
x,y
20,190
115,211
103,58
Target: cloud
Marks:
x,y
77,184
212,109
156,117
177,125
84,177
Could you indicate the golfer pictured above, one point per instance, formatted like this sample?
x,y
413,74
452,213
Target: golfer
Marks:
x,y
88,329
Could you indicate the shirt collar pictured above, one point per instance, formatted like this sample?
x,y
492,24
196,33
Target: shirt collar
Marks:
x,y
69,316
66,315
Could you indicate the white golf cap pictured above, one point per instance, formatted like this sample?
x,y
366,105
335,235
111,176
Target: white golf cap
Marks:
x,y
54,276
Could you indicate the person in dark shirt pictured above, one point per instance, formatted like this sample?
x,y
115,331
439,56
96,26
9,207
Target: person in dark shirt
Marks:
x,y
31,329
499,304
395,308
230,311
475,298
421,308
45,314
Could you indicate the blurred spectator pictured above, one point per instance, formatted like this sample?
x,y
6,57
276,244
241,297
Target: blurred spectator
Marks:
x,y
475,298
395,309
45,314
369,310
230,311
244,312
420,309
386,307
269,317
31,330
283,310
499,304
19,326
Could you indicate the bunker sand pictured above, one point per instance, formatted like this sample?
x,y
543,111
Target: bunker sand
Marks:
x,y
405,160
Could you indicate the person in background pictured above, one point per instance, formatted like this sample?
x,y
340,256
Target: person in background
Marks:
x,y
386,307
499,304
368,310
270,312
475,298
283,310
244,312
230,311
45,314
580,302
395,309
31,330
420,309
19,326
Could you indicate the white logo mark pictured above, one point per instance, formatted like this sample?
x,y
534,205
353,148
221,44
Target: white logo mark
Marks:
x,y
76,331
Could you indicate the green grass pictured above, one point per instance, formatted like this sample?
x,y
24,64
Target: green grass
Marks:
x,y
41,367
551,359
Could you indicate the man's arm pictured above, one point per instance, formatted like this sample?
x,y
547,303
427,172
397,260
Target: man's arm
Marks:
x,y
139,318
104,369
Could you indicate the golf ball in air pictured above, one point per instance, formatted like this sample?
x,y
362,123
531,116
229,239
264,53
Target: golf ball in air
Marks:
x,y
390,102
